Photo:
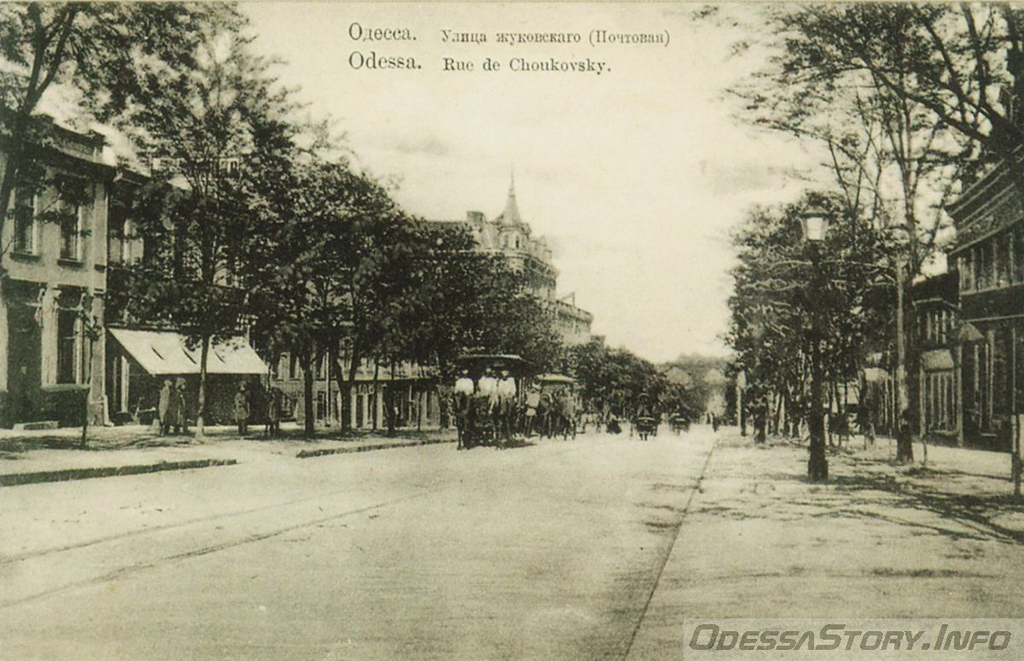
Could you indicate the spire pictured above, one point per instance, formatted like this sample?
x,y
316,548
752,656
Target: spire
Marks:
x,y
510,216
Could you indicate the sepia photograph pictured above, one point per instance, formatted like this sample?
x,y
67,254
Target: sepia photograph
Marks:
x,y
511,330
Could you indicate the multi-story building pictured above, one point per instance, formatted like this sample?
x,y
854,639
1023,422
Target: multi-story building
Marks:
x,y
935,393
414,387
510,236
989,257
54,267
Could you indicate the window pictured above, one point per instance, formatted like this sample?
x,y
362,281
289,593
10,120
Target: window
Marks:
x,y
983,261
70,231
26,227
966,276
1001,244
67,346
293,372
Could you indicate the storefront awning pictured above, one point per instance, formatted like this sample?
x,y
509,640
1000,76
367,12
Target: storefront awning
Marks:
x,y
165,353
874,374
937,360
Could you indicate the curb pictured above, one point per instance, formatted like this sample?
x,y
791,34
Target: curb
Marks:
x,y
308,454
15,479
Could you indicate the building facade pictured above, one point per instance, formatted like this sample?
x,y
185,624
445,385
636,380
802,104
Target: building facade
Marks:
x,y
510,236
989,257
412,389
54,283
935,393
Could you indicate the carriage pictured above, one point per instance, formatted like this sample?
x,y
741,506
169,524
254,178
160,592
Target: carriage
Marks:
x,y
679,422
556,414
645,420
488,396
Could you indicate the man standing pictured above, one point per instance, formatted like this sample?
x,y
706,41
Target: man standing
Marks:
x,y
242,409
761,419
274,412
506,404
179,416
164,407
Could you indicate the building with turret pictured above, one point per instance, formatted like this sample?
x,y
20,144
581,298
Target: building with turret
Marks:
x,y
510,236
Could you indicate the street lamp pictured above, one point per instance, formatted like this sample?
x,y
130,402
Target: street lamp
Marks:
x,y
814,226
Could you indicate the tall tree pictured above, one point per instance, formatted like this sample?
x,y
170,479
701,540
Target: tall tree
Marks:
x,y
772,305
198,127
840,77
102,49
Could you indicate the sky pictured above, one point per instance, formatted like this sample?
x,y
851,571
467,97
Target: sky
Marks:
x,y
635,176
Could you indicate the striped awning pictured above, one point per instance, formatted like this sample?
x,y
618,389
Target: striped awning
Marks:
x,y
163,353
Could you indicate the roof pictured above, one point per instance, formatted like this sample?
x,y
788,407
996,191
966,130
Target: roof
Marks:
x,y
943,286
937,360
510,216
990,205
495,361
555,378
165,353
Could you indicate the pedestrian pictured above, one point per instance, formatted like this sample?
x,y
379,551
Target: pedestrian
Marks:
x,y
164,407
242,410
180,406
714,422
487,388
274,412
532,405
761,420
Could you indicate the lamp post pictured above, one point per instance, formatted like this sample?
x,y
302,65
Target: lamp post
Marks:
x,y
814,226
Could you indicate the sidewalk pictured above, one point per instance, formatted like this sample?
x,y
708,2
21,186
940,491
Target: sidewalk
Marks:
x,y
54,455
878,540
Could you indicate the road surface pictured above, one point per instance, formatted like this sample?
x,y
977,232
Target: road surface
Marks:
x,y
548,551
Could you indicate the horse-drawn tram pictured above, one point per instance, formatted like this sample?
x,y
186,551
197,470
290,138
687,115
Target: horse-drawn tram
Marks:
x,y
488,396
555,397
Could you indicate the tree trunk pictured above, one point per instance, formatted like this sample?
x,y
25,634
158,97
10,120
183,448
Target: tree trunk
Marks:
x,y
904,438
308,413
419,410
204,354
375,423
390,402
85,411
345,387
12,168
88,383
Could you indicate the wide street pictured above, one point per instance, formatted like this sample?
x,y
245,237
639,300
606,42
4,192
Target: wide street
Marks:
x,y
547,551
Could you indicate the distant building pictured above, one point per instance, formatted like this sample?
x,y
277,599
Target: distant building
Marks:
x,y
413,391
54,284
509,235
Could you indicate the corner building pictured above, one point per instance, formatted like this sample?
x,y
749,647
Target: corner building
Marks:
x,y
510,236
54,282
